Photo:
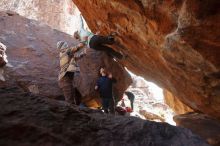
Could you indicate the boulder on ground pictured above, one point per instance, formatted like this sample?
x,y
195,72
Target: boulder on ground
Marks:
x,y
35,120
201,124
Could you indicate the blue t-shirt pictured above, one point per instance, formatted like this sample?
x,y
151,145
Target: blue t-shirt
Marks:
x,y
105,86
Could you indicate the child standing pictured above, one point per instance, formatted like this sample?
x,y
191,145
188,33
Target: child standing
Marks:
x,y
104,85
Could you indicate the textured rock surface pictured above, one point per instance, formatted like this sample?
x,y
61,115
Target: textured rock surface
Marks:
x,y
174,43
3,56
32,120
33,54
31,49
203,125
174,103
151,116
89,73
61,15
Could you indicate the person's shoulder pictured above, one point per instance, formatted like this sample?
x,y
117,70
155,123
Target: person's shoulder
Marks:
x,y
100,78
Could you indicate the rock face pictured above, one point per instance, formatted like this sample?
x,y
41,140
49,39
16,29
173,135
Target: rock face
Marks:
x,y
89,73
151,116
174,43
3,57
203,125
174,103
33,120
61,15
31,49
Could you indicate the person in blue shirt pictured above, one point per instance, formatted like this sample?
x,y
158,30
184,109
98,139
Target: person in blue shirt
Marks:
x,y
104,86
96,41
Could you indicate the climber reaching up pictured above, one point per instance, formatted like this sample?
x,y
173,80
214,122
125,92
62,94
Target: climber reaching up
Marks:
x,y
68,67
96,41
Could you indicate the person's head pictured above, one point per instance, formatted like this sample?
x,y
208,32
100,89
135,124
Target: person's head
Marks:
x,y
76,35
102,71
62,45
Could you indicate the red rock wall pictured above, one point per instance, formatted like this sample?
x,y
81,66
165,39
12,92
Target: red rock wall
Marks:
x,y
174,43
174,103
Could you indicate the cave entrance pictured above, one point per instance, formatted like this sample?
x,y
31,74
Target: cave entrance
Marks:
x,y
149,101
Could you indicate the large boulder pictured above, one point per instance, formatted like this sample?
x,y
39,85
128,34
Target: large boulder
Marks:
x,y
36,120
201,124
175,43
31,50
89,73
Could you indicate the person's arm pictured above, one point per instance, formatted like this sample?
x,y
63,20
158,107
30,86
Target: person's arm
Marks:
x,y
81,23
112,79
97,33
80,54
77,47
97,85
71,50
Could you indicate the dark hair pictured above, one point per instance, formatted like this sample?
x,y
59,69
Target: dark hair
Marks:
x,y
104,70
76,35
